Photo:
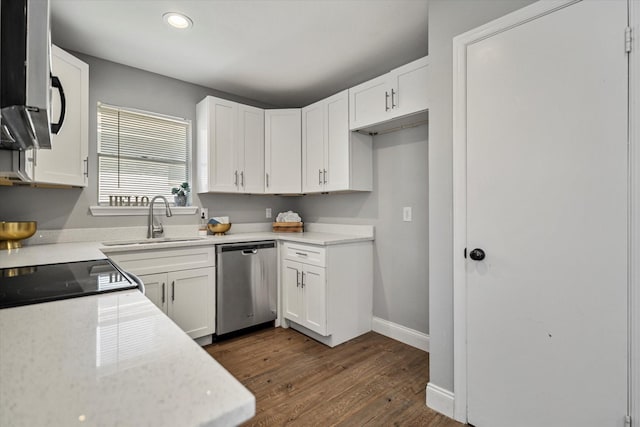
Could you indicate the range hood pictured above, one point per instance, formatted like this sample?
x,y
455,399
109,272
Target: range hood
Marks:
x,y
25,76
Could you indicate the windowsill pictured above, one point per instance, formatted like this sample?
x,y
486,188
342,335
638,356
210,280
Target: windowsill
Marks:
x,y
139,210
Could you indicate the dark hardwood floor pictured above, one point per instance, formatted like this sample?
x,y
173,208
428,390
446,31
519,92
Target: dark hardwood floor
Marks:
x,y
369,381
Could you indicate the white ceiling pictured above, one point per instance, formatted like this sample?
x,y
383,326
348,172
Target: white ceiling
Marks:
x,y
285,53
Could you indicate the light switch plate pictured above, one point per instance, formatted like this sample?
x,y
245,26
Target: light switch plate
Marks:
x,y
268,212
406,214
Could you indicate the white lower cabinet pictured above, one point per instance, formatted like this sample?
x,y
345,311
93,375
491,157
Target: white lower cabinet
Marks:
x,y
181,282
184,297
305,295
327,290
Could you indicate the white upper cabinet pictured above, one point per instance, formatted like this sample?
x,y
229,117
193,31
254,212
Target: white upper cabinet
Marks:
x,y
333,158
66,163
251,149
399,93
313,147
230,141
283,156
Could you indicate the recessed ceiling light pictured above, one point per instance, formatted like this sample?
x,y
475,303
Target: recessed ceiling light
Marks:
x,y
177,20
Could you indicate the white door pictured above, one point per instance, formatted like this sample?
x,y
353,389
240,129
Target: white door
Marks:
x,y
370,102
66,162
313,147
547,203
410,93
192,300
283,151
223,145
291,290
337,174
314,290
251,149
155,288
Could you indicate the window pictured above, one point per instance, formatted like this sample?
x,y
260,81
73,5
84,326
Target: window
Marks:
x,y
140,153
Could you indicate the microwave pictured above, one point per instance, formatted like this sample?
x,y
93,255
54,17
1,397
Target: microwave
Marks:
x,y
26,82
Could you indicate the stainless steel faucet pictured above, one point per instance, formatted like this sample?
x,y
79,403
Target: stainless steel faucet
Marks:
x,y
154,230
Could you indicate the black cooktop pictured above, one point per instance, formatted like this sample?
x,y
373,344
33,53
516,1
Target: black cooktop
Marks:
x,y
43,283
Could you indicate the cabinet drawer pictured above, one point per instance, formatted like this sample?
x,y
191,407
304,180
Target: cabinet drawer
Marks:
x,y
165,260
313,255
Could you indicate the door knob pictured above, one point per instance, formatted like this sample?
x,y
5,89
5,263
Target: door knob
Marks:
x,y
477,254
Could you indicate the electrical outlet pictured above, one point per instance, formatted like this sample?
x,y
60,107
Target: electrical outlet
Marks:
x,y
406,214
268,212
204,212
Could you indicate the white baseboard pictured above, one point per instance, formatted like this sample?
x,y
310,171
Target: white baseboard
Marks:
x,y
440,400
401,333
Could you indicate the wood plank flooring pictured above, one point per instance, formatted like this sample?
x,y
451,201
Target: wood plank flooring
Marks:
x,y
369,381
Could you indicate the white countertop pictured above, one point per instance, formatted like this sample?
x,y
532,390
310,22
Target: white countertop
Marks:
x,y
116,359
84,251
110,359
50,254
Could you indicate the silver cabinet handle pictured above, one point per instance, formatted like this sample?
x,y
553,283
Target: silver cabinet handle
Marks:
x,y
86,167
297,278
301,254
173,291
242,179
319,176
324,174
393,102
386,101
302,279
235,178
267,180
162,293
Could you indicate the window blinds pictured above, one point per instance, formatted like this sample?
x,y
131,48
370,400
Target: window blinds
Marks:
x,y
140,153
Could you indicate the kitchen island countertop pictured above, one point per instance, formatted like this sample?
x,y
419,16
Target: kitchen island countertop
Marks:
x,y
110,359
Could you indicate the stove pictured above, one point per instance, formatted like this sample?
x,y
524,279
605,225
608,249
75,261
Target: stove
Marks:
x,y
44,283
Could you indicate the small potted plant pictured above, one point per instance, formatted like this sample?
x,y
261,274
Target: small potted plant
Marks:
x,y
180,194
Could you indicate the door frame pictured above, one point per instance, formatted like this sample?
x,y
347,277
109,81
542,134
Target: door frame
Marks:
x,y
460,44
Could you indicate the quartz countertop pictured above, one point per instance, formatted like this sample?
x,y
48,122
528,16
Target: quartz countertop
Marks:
x,y
116,359
110,359
50,254
84,251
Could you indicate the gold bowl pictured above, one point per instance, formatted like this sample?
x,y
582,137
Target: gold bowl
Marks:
x,y
219,229
12,232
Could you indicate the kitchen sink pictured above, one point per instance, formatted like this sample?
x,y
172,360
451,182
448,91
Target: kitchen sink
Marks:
x,y
149,241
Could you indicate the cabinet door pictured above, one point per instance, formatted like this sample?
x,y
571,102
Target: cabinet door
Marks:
x,y
66,162
251,149
291,292
370,102
155,288
410,88
283,151
314,292
192,300
313,147
337,152
217,145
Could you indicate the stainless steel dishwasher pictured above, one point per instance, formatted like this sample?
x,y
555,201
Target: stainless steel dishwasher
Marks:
x,y
246,285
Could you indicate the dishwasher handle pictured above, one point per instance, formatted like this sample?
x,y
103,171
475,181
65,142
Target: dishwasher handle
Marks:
x,y
247,248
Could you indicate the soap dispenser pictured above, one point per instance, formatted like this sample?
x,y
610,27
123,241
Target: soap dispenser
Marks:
x,y
202,228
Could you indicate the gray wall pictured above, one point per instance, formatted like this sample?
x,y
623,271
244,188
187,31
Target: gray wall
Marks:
x,y
447,18
401,271
128,87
